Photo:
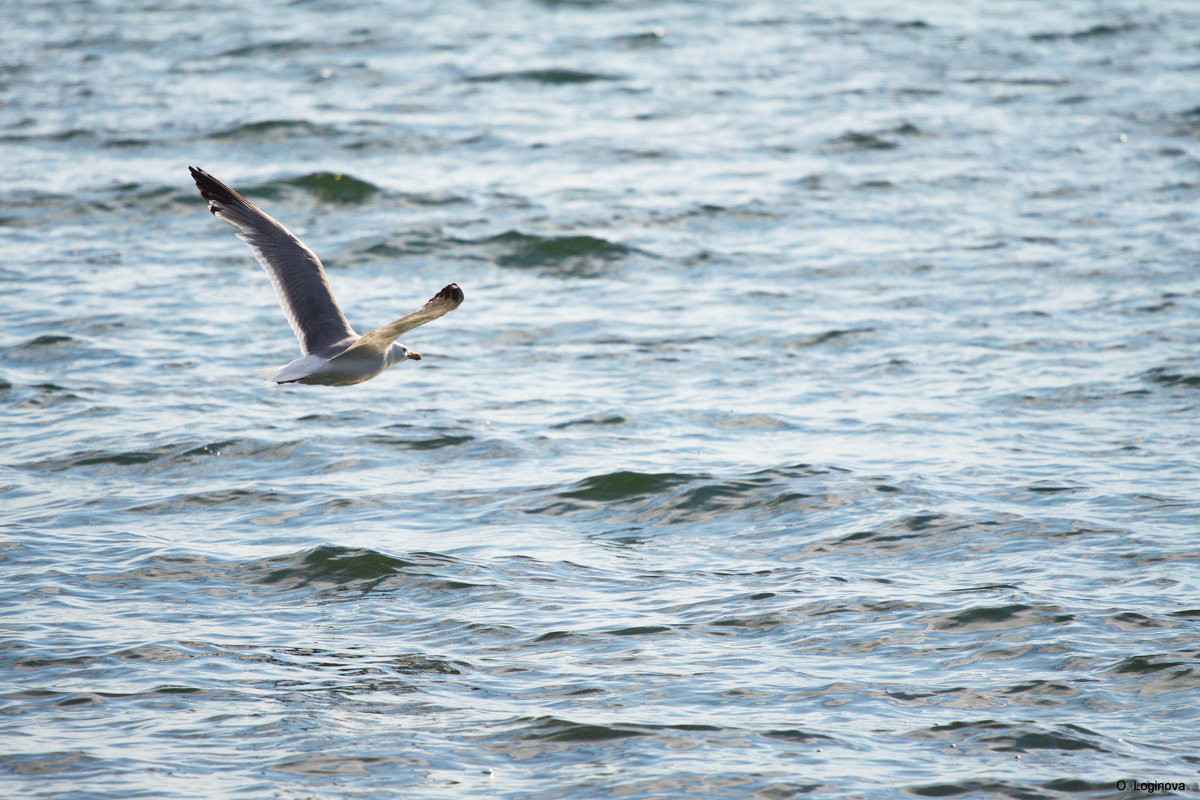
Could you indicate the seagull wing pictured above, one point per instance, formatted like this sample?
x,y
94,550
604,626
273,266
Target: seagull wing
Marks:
x,y
294,270
442,303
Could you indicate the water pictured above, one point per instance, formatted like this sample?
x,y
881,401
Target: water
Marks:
x,y
820,421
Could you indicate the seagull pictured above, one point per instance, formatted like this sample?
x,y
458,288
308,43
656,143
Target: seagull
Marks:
x,y
334,355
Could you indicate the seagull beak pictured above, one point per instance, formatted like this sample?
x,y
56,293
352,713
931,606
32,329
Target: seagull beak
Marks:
x,y
414,356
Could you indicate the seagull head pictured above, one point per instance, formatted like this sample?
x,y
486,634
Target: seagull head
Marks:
x,y
398,352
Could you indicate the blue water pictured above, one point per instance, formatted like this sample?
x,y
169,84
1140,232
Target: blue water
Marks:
x,y
821,420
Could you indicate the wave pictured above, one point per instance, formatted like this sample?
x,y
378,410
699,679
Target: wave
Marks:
x,y
548,76
668,499
275,130
335,569
335,187
573,256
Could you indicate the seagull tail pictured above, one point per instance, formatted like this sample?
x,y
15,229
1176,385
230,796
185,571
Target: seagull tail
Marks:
x,y
269,374
293,370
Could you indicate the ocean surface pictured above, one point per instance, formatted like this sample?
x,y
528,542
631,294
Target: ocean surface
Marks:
x,y
822,420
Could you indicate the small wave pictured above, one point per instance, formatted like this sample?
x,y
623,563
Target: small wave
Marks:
x,y
335,568
272,48
596,421
275,130
324,566
857,141
1094,32
49,340
1169,377
65,135
618,487
796,736
437,442
581,256
997,618
1003,737
823,337
241,498
679,499
335,187
1160,673
548,76
172,454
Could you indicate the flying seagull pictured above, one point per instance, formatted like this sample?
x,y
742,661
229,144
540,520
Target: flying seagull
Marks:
x,y
334,355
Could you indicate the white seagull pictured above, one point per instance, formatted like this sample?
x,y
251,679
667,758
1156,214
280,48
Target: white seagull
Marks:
x,y
334,355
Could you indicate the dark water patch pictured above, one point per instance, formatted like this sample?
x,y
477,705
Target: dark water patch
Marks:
x,y
64,135
274,131
554,729
332,569
796,736
325,566
1005,737
767,497
1007,81
597,421
270,48
165,455
130,201
824,337
955,536
126,143
1161,673
997,618
1167,376
79,700
372,667
335,187
1050,487
1188,123
237,498
430,443
619,487
1101,31
150,653
581,732
852,141
641,630
1041,693
994,788
148,199
107,460
554,77
48,340
1133,621
568,256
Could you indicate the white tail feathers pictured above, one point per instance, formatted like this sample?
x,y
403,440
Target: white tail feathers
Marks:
x,y
292,371
268,374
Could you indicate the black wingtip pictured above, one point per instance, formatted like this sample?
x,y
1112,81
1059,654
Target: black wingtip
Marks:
x,y
216,193
452,293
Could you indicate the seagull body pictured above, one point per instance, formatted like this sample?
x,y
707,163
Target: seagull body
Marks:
x,y
334,355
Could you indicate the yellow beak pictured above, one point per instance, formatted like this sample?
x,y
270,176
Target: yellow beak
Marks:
x,y
414,356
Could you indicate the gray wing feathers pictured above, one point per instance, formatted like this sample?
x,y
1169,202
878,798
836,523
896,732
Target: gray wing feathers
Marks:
x,y
294,270
442,303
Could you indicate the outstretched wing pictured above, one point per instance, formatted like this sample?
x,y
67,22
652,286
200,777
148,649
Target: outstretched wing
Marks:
x,y
445,301
294,270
